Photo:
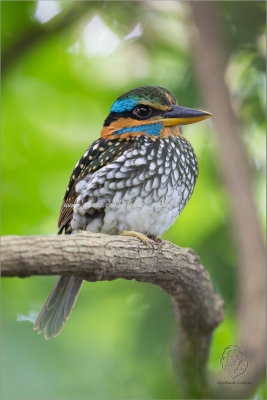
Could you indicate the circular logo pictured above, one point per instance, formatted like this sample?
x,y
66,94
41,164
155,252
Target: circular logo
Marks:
x,y
234,361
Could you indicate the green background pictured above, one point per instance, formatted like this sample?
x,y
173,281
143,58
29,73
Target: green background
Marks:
x,y
58,84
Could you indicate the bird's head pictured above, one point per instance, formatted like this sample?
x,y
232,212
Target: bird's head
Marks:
x,y
151,111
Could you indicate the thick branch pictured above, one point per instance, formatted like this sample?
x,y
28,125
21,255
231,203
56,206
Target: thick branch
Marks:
x,y
97,257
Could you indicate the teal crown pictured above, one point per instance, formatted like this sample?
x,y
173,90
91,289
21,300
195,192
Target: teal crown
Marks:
x,y
145,94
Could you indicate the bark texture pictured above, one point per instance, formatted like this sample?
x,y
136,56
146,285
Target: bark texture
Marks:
x,y
97,257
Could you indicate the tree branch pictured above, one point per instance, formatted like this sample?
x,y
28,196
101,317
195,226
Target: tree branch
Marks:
x,y
210,63
97,257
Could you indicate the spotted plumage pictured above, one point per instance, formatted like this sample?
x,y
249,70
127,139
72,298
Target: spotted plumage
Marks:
x,y
135,179
144,189
99,154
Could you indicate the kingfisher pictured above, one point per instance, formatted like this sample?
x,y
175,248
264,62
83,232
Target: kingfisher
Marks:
x,y
134,180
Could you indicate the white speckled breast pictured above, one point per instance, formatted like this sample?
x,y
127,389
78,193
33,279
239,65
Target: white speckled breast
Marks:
x,y
143,190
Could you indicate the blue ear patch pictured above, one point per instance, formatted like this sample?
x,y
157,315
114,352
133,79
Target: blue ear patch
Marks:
x,y
150,129
124,105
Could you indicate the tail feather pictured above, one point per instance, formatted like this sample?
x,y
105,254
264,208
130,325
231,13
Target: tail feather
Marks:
x,y
58,306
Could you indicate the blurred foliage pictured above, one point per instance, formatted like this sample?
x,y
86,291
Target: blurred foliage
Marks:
x,y
59,79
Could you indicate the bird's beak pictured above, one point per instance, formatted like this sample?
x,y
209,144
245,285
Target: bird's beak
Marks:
x,y
183,116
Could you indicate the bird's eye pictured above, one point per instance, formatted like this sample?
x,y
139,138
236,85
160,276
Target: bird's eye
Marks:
x,y
142,111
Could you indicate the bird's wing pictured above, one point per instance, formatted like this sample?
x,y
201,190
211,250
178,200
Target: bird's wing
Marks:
x,y
99,154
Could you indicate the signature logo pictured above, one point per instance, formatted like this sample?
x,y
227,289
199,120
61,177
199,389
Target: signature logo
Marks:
x,y
234,361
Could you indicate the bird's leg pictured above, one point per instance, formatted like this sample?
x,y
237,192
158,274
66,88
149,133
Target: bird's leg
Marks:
x,y
141,236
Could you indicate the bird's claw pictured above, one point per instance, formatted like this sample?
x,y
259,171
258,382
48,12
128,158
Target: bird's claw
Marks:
x,y
157,239
148,240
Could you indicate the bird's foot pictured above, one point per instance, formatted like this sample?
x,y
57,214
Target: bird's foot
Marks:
x,y
157,239
141,236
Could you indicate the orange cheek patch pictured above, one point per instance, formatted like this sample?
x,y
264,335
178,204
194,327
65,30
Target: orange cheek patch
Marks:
x,y
121,123
130,127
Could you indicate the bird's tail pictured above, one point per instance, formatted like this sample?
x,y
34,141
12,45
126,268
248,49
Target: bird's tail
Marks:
x,y
58,306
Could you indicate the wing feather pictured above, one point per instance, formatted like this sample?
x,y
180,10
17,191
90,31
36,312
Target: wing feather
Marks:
x,y
99,154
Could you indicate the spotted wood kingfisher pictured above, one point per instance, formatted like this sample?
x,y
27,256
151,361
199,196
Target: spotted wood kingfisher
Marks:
x,y
134,180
